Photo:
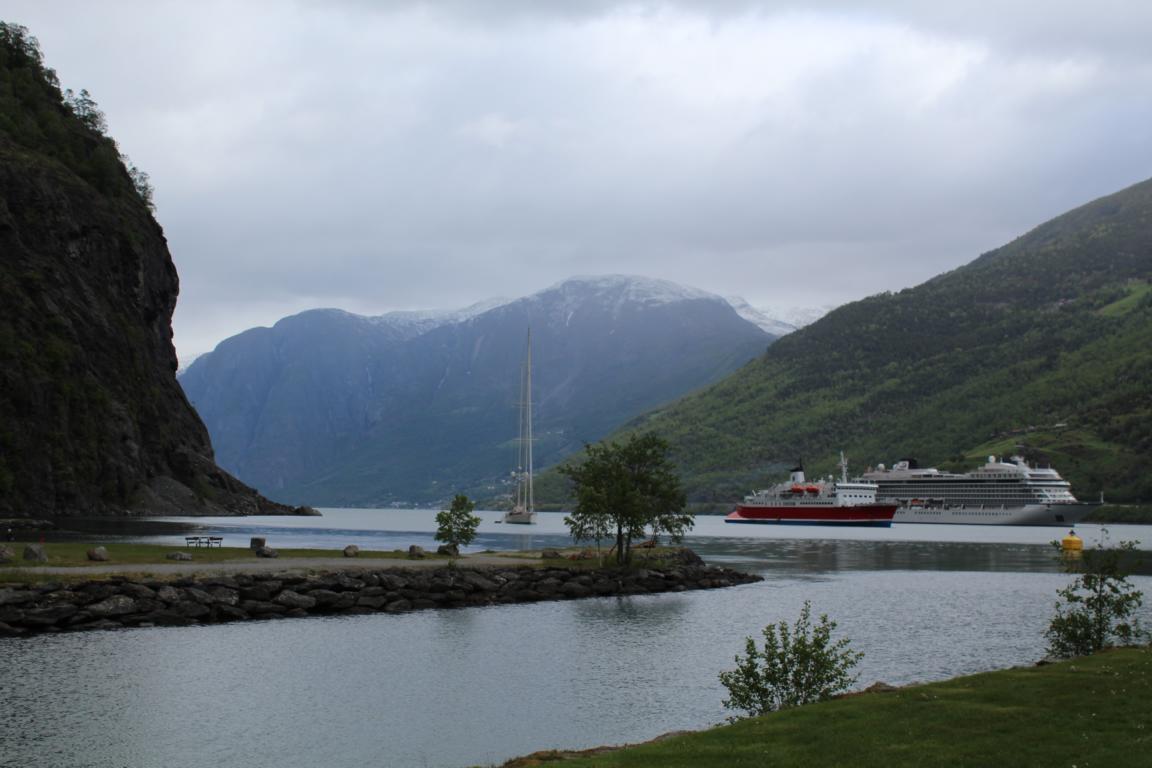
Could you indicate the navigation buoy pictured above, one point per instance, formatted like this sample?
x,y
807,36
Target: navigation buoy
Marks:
x,y
1071,545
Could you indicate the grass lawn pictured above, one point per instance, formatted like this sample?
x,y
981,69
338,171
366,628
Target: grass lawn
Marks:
x,y
74,554
1090,712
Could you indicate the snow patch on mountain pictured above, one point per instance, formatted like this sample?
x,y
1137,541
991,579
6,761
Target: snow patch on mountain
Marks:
x,y
767,323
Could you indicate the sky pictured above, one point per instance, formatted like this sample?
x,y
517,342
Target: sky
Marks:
x,y
375,156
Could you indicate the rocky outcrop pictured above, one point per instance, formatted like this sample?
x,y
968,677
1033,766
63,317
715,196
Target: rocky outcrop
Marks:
x,y
117,603
92,421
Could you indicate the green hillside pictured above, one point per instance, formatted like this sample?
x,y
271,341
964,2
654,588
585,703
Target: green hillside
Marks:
x,y
1042,347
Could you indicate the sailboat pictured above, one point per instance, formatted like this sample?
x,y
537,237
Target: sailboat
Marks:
x,y
524,509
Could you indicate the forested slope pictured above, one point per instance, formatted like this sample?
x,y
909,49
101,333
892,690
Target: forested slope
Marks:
x,y
1042,347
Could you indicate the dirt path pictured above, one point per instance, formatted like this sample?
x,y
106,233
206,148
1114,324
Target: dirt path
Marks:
x,y
277,565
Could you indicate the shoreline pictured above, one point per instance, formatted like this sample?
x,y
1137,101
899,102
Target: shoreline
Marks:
x,y
126,600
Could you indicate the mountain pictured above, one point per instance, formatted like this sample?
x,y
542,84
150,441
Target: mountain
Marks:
x,y
1042,347
768,323
92,420
331,408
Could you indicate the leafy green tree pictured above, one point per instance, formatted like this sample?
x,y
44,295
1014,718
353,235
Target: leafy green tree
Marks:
x,y
624,488
456,526
1098,608
797,665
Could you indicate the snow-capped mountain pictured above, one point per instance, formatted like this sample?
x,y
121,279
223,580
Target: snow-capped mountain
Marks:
x,y
331,408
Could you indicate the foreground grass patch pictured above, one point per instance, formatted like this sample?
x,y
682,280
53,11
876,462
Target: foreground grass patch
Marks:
x,y
75,554
1095,711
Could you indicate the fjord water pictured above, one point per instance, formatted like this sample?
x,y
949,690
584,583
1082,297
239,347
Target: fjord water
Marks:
x,y
476,686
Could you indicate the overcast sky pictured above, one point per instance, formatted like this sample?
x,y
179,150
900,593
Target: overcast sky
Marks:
x,y
409,155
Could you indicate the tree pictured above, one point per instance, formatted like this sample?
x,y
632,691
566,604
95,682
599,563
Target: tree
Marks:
x,y
1099,606
798,665
456,526
624,488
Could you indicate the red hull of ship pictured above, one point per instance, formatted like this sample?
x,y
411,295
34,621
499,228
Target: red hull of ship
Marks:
x,y
875,515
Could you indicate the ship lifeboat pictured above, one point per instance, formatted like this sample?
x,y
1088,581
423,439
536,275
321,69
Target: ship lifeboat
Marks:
x,y
812,488
797,489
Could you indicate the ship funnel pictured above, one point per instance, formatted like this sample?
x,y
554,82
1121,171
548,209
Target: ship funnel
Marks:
x,y
798,474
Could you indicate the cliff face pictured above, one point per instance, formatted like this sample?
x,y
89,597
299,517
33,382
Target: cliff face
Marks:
x,y
92,420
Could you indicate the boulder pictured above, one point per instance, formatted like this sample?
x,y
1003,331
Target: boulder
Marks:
x,y
178,556
267,552
15,596
98,555
351,551
448,549
6,554
551,554
117,605
415,552
290,599
35,553
257,542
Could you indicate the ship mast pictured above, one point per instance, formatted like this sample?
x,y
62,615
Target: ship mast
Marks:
x,y
526,427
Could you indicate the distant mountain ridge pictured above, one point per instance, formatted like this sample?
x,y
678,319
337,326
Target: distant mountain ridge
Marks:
x,y
1042,347
330,408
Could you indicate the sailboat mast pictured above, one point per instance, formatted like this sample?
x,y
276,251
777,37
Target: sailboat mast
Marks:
x,y
531,500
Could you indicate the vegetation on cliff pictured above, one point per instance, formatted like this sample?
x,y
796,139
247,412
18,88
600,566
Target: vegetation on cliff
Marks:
x,y
1042,347
91,418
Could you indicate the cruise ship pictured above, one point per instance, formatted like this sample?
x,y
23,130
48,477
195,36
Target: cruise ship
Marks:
x,y
1001,492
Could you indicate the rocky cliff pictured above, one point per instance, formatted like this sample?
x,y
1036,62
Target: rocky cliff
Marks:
x,y
92,420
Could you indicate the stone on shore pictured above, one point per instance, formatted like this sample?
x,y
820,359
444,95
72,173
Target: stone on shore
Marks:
x,y
35,553
415,552
6,554
267,552
98,554
448,549
351,551
178,556
257,542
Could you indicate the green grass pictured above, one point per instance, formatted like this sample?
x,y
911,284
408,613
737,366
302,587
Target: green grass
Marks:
x,y
1089,712
1122,513
74,554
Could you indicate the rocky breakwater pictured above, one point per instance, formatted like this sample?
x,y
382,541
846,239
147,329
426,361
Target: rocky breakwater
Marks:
x,y
27,609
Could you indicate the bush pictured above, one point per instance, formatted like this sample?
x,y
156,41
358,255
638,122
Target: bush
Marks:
x,y
1099,606
457,526
797,665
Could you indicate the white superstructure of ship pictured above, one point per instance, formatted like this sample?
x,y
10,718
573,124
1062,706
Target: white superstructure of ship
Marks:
x,y
1002,492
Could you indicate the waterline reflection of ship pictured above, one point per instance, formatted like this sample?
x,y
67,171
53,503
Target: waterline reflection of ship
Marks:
x,y
523,510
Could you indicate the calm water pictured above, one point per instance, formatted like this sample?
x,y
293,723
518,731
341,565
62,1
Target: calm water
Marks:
x,y
475,686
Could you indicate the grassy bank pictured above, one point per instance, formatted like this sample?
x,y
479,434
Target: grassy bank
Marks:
x,y
1095,711
74,554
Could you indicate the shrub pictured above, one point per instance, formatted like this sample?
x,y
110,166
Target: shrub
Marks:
x,y
797,665
1098,608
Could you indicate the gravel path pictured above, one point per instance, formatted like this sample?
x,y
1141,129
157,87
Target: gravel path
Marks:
x,y
282,564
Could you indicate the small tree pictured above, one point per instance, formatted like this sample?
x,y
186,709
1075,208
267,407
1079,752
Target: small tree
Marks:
x,y
624,488
797,665
456,526
1098,608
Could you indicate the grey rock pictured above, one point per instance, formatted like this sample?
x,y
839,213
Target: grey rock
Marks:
x,y
448,549
98,554
226,612
139,591
398,605
225,596
415,552
9,631
392,581
35,553
189,609
257,542
199,595
267,552
117,605
261,607
48,617
290,599
550,554
372,601
16,596
168,594
7,555
351,551
574,589
178,556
